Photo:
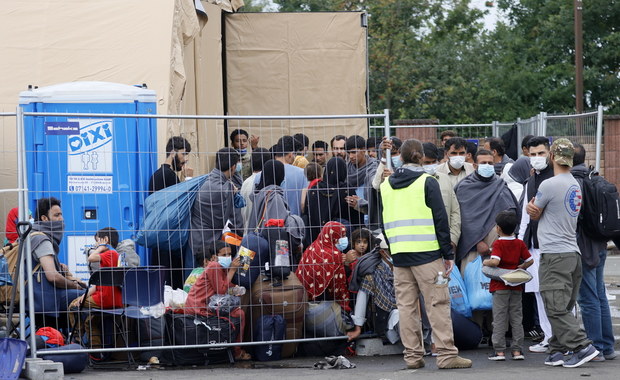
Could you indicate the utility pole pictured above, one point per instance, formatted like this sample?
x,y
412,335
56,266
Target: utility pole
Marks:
x,y
578,5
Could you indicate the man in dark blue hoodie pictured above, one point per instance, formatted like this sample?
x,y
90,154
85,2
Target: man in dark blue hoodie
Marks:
x,y
416,225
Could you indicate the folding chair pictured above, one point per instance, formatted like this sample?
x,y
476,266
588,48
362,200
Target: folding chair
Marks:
x,y
142,287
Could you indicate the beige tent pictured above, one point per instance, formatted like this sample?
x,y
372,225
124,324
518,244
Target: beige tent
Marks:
x,y
274,64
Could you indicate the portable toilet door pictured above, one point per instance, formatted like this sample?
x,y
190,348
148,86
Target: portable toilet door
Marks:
x,y
98,167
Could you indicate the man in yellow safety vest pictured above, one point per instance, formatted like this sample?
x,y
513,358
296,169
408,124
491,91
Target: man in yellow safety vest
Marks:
x,y
416,226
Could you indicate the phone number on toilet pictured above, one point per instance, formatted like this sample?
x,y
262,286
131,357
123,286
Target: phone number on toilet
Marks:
x,y
89,184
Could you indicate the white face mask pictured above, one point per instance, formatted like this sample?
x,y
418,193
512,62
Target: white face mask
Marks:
x,y
538,163
430,169
457,162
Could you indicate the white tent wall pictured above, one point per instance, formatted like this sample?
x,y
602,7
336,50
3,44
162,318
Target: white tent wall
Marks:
x,y
55,41
277,64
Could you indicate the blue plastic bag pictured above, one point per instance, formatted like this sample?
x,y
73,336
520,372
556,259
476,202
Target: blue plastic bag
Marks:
x,y
458,295
5,276
477,285
12,356
168,212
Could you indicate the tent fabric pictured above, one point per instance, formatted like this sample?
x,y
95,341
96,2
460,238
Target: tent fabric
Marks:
x,y
296,64
277,64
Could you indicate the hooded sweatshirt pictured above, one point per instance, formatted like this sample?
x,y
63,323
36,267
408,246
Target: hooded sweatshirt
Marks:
x,y
402,178
588,247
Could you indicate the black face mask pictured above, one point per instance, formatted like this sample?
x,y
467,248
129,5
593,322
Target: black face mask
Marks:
x,y
177,164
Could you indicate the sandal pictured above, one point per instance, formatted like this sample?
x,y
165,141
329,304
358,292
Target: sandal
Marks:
x,y
517,355
243,356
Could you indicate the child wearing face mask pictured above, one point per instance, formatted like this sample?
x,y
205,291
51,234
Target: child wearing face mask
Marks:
x,y
221,249
219,270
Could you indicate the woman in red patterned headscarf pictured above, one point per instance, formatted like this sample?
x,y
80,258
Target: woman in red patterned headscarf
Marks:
x,y
321,268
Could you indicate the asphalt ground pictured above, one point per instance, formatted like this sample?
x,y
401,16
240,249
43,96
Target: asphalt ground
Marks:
x,y
392,367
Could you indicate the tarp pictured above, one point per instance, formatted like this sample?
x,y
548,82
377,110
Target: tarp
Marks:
x,y
296,64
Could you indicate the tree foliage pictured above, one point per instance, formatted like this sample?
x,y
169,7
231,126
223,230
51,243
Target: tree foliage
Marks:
x,y
434,59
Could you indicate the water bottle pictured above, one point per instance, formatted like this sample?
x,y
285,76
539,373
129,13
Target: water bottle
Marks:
x,y
441,280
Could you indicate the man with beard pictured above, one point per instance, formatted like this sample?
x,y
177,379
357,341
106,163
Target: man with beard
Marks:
x,y
538,148
361,170
54,290
338,146
177,151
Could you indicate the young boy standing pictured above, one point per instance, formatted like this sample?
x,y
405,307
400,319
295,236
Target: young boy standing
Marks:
x,y
508,252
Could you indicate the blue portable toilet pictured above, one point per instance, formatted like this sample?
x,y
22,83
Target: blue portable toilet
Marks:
x,y
98,167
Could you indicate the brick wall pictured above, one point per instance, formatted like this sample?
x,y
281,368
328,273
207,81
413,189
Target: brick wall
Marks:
x,y
611,141
425,134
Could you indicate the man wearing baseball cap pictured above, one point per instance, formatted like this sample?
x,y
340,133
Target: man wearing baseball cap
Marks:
x,y
556,206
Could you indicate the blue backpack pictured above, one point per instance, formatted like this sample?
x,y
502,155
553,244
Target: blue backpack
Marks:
x,y
168,212
269,328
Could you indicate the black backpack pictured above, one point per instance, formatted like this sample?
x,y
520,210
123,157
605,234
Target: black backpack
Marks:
x,y
600,211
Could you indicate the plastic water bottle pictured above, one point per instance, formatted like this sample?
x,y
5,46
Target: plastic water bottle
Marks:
x,y
441,280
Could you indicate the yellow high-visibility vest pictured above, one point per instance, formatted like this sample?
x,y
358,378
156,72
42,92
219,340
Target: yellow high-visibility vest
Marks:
x,y
407,220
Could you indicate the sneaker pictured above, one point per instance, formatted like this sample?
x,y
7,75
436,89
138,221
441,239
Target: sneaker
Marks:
x,y
496,357
599,358
611,356
582,356
555,359
456,362
517,355
417,364
539,348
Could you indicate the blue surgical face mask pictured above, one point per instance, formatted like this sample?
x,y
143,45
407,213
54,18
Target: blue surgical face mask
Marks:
x,y
242,151
224,261
343,243
430,169
486,170
397,162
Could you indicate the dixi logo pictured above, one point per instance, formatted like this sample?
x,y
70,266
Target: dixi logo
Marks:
x,y
91,137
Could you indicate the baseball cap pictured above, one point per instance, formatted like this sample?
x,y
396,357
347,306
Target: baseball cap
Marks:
x,y
563,151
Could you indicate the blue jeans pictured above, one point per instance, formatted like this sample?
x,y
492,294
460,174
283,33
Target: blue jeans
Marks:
x,y
595,308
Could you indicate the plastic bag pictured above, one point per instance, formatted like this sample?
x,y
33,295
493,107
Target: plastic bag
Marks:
x,y
5,276
458,295
223,304
477,286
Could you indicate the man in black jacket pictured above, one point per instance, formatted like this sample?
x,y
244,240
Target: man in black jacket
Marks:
x,y
416,225
595,310
177,151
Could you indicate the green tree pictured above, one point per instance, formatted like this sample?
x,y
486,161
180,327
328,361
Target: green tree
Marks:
x,y
542,33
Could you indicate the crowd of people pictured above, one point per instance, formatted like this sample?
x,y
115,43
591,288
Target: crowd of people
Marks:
x,y
376,225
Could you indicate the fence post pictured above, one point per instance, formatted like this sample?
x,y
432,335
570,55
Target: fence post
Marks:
x,y
22,184
386,124
599,137
543,124
495,128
